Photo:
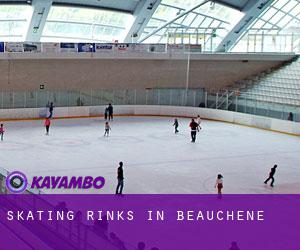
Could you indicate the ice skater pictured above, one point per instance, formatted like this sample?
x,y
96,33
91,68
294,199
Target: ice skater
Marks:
x,y
176,125
106,114
110,112
120,177
2,131
107,129
198,120
219,184
271,176
51,108
47,125
194,127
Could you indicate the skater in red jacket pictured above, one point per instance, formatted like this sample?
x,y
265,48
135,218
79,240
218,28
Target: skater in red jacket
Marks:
x,y
47,125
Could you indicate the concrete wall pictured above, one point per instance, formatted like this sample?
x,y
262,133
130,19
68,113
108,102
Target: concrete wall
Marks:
x,y
219,115
79,72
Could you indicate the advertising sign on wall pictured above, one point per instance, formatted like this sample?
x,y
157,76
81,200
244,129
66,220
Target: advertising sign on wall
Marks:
x,y
86,47
176,48
32,47
157,48
50,47
1,47
13,47
137,47
68,47
104,47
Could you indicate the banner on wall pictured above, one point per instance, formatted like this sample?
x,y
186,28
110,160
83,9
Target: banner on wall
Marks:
x,y
86,47
138,47
104,47
122,47
13,47
1,47
157,48
193,48
68,47
50,47
176,48
32,47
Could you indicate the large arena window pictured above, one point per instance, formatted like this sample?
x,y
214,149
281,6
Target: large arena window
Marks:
x,y
277,29
206,25
84,24
14,21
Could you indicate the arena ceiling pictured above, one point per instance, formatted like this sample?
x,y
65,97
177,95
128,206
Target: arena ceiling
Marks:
x,y
217,25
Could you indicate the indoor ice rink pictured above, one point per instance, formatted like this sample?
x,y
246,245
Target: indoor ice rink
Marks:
x,y
234,63
156,160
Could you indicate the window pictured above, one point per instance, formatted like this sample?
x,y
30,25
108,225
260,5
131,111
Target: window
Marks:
x,y
14,21
85,24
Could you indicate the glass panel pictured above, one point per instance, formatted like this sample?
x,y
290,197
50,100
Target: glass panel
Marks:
x,y
14,21
81,23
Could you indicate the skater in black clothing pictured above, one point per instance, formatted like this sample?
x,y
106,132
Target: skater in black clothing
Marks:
x,y
194,127
176,124
110,112
2,131
271,176
51,107
120,179
291,117
105,113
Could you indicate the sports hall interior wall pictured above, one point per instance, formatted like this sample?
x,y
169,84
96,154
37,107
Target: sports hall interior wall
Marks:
x,y
77,74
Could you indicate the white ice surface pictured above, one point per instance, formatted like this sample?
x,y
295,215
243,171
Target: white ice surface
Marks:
x,y
155,159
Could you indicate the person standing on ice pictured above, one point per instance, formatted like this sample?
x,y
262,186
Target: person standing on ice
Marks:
x,y
47,125
198,120
51,107
219,184
110,112
271,176
107,128
120,177
105,113
194,127
176,124
2,131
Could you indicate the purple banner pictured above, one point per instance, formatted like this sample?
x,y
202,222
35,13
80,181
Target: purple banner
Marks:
x,y
164,222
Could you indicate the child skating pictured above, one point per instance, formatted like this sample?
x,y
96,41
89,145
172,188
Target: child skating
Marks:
x,y
198,120
47,125
106,114
1,131
176,125
219,184
107,129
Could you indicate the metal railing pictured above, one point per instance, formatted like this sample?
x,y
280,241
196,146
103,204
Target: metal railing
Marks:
x,y
269,106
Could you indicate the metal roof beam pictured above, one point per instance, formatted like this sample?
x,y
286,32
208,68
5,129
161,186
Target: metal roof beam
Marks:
x,y
38,20
252,10
174,19
143,13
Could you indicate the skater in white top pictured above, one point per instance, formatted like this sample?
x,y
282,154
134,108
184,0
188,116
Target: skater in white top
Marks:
x,y
107,129
198,120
